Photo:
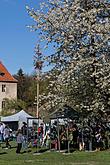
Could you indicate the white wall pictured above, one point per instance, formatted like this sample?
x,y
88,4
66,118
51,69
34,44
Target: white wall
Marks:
x,y
10,93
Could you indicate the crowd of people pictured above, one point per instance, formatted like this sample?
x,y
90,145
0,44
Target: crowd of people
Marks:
x,y
7,135
59,136
92,138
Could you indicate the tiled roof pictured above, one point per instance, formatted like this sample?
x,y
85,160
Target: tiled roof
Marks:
x,y
5,76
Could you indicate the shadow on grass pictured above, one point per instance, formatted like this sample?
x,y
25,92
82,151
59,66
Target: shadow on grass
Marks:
x,y
70,151
41,151
14,147
2,153
28,151
3,147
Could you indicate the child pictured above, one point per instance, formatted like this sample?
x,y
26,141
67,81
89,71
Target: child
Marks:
x,y
19,140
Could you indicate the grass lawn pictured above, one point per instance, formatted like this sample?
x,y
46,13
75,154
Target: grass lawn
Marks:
x,y
9,157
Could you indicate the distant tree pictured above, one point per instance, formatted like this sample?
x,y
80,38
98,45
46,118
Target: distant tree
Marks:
x,y
12,106
27,88
21,83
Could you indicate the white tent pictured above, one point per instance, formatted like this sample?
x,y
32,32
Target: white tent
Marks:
x,y
19,117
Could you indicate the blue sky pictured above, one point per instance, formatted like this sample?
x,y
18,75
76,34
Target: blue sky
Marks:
x,y
16,41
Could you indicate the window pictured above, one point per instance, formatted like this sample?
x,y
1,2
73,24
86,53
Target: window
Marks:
x,y
3,88
3,104
2,74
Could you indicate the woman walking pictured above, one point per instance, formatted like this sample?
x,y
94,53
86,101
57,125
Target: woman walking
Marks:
x,y
19,140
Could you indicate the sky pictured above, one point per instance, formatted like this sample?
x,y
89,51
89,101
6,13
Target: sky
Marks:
x,y
16,41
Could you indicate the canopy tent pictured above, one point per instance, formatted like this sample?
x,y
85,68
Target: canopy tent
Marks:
x,y
16,119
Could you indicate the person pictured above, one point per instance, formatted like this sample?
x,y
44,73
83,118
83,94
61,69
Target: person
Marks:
x,y
0,133
98,138
81,140
75,133
24,133
7,136
19,139
2,127
40,134
46,140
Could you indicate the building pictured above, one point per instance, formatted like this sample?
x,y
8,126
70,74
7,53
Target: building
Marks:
x,y
8,86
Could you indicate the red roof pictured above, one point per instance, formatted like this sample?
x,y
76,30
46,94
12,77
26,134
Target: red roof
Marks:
x,y
5,76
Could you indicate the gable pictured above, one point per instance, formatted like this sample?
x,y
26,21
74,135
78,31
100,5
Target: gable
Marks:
x,y
5,76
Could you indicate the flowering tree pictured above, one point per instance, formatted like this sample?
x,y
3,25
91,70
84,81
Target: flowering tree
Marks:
x,y
79,30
